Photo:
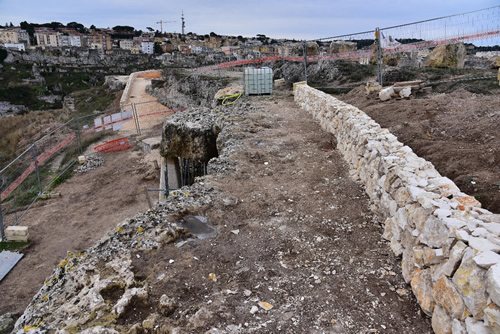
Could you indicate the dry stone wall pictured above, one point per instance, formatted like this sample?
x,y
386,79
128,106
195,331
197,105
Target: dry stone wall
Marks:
x,y
449,245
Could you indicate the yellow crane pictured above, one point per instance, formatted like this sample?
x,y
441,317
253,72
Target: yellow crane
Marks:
x,y
161,24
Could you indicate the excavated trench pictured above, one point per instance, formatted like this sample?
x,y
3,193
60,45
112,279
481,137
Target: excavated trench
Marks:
x,y
189,142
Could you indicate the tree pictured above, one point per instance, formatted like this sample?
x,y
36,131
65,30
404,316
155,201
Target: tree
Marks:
x,y
77,26
29,27
55,25
92,27
157,48
150,29
11,25
124,28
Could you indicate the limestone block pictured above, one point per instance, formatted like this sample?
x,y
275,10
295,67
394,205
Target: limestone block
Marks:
x,y
493,228
405,92
471,283
441,321
447,268
475,327
402,218
417,216
462,235
446,295
492,318
81,159
386,93
418,256
442,213
432,256
421,285
434,233
486,259
483,245
17,233
402,196
493,278
446,186
454,223
458,327
408,264
16,230
392,232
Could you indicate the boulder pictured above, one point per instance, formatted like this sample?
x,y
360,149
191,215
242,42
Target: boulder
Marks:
x,y
341,47
447,56
386,93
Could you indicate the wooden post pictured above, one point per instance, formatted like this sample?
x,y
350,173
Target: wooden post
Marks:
x,y
145,189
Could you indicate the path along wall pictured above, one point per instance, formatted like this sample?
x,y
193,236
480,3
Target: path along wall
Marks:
x,y
449,245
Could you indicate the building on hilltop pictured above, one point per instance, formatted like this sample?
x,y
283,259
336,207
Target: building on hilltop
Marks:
x,y
46,37
9,36
148,47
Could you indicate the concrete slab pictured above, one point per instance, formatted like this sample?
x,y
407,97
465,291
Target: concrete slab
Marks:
x,y
149,144
7,261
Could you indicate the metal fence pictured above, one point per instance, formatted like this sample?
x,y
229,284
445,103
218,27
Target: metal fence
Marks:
x,y
47,161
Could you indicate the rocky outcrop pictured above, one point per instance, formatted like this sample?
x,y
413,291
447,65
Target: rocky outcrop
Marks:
x,y
183,88
447,56
116,82
341,47
449,245
94,291
190,135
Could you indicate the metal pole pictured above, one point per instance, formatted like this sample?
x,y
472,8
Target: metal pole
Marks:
x,y
77,135
304,48
2,233
136,119
379,55
166,179
33,151
181,163
15,208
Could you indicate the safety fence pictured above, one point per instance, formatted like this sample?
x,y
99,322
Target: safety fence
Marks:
x,y
47,161
412,42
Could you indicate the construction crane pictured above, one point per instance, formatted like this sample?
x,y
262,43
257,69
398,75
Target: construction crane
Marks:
x,y
161,24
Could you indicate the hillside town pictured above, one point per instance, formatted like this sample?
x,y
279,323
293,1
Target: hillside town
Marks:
x,y
125,39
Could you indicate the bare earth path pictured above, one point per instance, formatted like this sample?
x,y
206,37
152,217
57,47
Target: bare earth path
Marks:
x,y
293,230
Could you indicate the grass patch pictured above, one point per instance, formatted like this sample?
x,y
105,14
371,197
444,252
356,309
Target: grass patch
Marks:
x,y
96,98
14,246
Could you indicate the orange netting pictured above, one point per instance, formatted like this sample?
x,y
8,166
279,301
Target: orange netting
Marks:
x,y
116,145
150,75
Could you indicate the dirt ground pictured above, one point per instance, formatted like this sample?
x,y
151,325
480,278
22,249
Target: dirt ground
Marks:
x,y
294,231
457,132
91,204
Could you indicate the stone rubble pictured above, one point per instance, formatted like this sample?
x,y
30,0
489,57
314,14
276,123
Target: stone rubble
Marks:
x,y
79,285
91,163
449,244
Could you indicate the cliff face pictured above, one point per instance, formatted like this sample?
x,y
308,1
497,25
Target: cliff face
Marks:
x,y
77,57
184,88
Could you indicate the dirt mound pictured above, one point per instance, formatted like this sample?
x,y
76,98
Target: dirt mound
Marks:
x,y
457,132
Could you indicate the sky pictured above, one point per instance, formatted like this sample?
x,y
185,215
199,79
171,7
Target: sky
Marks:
x,y
307,19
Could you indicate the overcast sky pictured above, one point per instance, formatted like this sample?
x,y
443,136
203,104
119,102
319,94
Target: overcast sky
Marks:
x,y
308,19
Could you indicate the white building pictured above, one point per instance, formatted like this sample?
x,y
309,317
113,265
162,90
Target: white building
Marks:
x,y
18,46
126,44
148,47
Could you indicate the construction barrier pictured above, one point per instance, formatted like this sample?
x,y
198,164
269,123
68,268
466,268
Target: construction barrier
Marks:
x,y
116,145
